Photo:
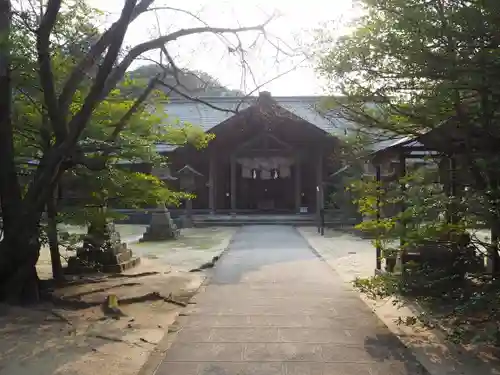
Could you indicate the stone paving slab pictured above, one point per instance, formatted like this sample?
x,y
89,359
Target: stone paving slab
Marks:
x,y
283,368
274,321
274,307
273,334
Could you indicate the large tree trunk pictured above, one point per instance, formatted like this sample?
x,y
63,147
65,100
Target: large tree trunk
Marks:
x,y
20,245
10,191
18,257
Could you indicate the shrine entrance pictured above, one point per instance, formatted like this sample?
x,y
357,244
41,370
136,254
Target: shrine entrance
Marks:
x,y
265,183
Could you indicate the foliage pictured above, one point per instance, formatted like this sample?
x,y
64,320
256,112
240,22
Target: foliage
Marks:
x,y
349,151
404,68
60,111
418,57
104,178
419,63
448,276
73,33
186,82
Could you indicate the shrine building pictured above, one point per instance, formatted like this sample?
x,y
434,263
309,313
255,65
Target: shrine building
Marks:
x,y
269,154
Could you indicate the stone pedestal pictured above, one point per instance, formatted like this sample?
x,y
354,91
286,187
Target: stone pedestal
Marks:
x,y
187,221
161,227
103,251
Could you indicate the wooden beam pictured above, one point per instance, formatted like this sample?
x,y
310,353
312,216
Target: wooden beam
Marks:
x,y
264,153
266,136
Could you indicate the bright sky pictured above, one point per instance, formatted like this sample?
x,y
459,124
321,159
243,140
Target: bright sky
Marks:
x,y
294,27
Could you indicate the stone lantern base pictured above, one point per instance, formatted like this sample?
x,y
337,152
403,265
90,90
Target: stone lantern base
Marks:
x,y
102,251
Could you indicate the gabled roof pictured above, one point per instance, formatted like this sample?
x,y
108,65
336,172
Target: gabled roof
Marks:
x,y
200,114
220,109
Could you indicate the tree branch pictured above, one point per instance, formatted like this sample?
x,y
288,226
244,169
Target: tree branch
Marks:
x,y
78,73
194,99
99,163
120,125
38,191
157,43
176,70
45,68
193,15
79,121
258,87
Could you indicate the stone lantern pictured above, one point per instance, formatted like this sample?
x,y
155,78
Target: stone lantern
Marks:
x,y
163,173
187,176
161,226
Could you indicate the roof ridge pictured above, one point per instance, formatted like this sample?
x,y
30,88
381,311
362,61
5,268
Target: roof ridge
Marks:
x,y
246,98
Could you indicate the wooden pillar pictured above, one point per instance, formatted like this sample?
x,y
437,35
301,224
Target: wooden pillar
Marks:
x,y
319,183
189,208
403,223
298,187
402,175
233,184
378,248
452,191
212,181
319,189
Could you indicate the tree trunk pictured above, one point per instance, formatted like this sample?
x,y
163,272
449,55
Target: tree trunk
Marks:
x,y
495,226
55,256
10,191
18,257
19,248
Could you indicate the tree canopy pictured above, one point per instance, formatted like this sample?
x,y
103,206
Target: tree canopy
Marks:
x,y
65,111
421,60
191,83
425,63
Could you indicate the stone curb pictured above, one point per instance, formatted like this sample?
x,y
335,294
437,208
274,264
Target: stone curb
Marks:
x,y
436,355
158,354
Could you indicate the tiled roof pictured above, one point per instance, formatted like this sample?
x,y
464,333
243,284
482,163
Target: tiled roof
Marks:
x,y
200,114
222,108
206,117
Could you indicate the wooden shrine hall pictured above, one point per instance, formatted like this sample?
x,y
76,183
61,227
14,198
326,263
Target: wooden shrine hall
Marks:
x,y
271,156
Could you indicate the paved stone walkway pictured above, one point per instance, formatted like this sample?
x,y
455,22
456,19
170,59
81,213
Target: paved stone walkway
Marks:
x,y
273,307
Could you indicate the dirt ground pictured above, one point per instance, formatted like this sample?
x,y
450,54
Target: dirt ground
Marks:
x,y
76,335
